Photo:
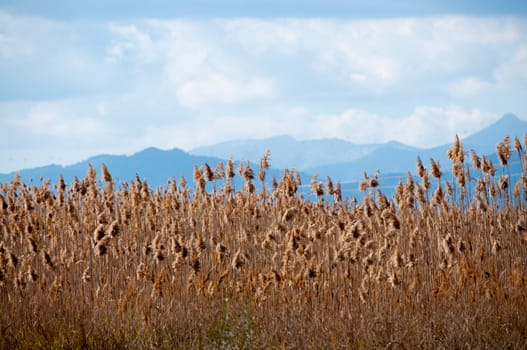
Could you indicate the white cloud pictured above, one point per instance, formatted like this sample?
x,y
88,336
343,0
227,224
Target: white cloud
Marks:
x,y
382,53
353,51
221,89
191,82
198,131
468,87
135,41
56,119
193,60
424,127
512,73
295,112
375,57
11,48
262,36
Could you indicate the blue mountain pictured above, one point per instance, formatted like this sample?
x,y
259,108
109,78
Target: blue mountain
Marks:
x,y
342,160
398,158
155,165
347,161
287,152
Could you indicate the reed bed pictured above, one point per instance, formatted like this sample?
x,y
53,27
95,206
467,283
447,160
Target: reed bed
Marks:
x,y
96,264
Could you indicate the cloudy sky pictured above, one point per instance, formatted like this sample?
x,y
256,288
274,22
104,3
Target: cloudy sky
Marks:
x,y
115,77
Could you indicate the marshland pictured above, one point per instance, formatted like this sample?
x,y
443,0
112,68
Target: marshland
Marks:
x,y
441,264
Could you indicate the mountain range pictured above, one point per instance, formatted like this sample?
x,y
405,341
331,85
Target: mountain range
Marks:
x,y
288,152
342,160
347,161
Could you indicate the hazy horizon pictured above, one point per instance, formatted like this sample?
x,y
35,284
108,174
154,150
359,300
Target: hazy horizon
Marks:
x,y
117,77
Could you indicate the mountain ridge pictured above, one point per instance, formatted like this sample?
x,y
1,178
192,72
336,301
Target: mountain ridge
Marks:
x,y
339,159
389,157
284,149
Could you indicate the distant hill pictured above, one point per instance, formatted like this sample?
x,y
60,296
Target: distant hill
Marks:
x,y
155,165
342,160
347,161
287,152
388,158
394,157
485,140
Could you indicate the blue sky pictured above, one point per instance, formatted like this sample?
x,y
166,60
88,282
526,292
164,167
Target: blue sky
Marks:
x,y
115,77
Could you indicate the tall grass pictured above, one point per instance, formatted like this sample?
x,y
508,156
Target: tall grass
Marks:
x,y
95,264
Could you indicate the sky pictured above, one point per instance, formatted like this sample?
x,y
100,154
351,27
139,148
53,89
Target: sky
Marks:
x,y
79,79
